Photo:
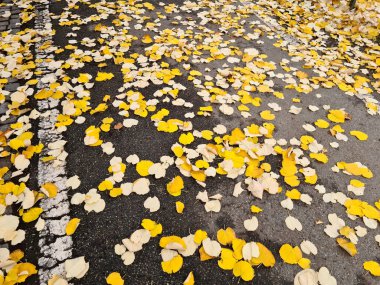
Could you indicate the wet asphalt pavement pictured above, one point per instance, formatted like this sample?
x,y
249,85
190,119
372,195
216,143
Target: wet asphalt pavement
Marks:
x,y
98,233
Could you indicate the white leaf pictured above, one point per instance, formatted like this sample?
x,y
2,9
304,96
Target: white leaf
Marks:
x,y
120,249
202,196
29,199
132,246
140,236
331,231
108,148
313,108
211,247
128,123
370,223
168,254
306,199
133,159
377,238
287,204
226,109
217,197
293,223
126,188
152,203
76,267
220,129
360,231
295,110
73,182
306,277
21,162
336,221
325,278
78,198
213,206
158,170
250,249
141,186
128,257
309,127
251,224
308,247
238,190
40,224
191,246
256,188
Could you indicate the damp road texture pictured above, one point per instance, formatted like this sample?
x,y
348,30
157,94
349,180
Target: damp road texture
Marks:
x,y
98,233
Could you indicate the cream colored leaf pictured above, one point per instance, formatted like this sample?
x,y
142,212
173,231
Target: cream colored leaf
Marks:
x,y
251,224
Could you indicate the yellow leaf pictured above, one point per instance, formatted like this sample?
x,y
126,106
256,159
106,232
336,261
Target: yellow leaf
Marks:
x,y
267,115
190,279
72,226
153,227
322,124
373,267
103,76
225,236
178,150
173,265
16,255
227,259
168,127
49,190
244,270
359,135
347,246
186,139
32,214
115,279
266,257
321,157
146,39
116,192
199,236
173,241
83,78
304,263
294,194
175,186
105,185
237,246
43,94
142,167
289,254
20,272
337,116
179,206
255,209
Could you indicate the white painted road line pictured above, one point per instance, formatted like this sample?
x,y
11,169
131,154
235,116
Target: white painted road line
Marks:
x,y
55,246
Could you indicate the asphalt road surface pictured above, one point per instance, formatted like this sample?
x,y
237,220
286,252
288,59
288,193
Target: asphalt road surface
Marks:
x,y
122,30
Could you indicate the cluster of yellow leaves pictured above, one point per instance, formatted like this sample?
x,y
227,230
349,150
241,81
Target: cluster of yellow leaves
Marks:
x,y
231,258
293,255
154,228
355,168
18,273
362,209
